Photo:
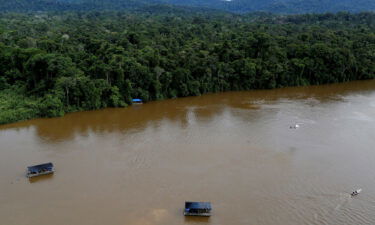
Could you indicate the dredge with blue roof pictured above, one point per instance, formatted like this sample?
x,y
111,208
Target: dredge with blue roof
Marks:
x,y
137,101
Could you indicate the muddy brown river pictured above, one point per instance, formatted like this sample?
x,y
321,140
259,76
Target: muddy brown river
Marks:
x,y
138,165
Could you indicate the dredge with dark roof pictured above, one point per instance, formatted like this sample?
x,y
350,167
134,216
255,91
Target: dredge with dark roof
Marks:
x,y
38,170
197,209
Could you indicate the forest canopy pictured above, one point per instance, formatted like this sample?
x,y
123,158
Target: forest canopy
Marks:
x,y
53,63
236,6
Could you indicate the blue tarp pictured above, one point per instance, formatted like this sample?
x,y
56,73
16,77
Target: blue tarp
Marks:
x,y
198,205
38,168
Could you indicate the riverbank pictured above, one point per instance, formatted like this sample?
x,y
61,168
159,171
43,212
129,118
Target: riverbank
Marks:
x,y
66,62
15,107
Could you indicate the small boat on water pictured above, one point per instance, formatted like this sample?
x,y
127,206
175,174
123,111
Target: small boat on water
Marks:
x,y
295,126
197,209
356,192
39,170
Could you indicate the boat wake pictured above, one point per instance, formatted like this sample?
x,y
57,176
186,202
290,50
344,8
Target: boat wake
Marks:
x,y
342,200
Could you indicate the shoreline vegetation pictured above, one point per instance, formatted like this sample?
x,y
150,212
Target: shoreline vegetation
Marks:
x,y
54,63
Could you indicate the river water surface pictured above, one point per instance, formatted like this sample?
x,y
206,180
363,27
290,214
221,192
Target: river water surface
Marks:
x,y
137,165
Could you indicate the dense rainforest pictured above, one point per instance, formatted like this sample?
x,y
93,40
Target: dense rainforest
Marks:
x,y
53,63
236,6
280,6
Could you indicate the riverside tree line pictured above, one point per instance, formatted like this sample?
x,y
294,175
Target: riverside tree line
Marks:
x,y
53,63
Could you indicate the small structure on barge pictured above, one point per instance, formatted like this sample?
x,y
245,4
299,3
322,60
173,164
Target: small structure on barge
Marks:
x,y
197,209
39,170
